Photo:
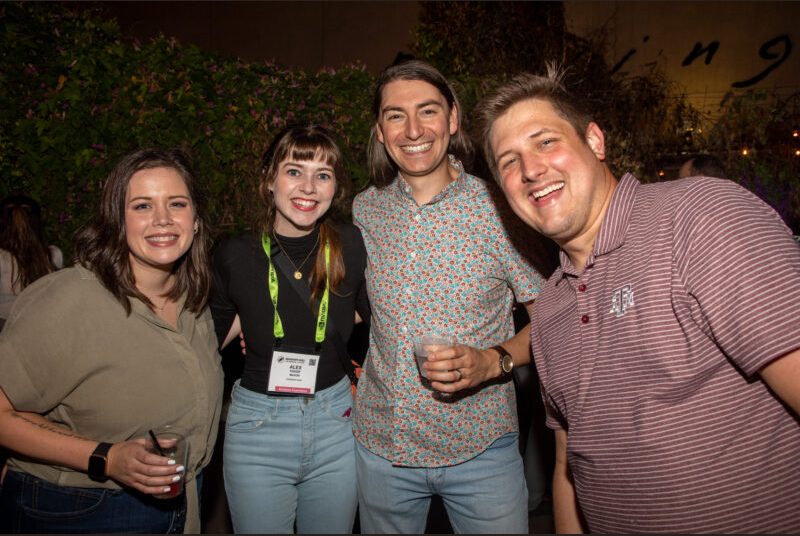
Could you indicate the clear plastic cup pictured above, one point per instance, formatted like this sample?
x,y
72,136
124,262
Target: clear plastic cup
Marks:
x,y
430,343
173,444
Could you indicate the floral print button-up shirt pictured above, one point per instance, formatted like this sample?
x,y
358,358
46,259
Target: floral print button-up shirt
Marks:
x,y
449,267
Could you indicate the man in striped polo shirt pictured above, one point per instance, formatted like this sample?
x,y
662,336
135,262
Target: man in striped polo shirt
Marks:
x,y
668,342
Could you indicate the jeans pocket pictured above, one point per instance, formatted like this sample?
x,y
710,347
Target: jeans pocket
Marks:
x,y
50,502
340,408
244,418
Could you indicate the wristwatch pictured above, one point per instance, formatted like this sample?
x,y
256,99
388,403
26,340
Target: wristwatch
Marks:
x,y
97,462
506,361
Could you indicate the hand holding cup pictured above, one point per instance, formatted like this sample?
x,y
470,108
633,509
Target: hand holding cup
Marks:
x,y
171,443
137,464
424,346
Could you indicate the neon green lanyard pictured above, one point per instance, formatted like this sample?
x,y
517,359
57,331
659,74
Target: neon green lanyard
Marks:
x,y
322,315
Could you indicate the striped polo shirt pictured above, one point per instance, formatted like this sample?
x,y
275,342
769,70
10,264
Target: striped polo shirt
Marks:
x,y
649,359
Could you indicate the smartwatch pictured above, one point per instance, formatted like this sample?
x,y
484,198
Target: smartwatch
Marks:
x,y
97,462
506,361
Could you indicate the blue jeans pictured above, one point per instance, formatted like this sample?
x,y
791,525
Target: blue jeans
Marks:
x,y
290,459
29,504
486,494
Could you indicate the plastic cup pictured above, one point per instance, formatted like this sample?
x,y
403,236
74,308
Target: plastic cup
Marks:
x,y
430,343
173,444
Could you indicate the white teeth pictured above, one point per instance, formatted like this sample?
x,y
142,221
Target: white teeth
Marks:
x,y
417,148
550,189
304,202
162,238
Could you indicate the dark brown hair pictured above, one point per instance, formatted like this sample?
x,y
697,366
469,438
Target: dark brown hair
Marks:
x,y
102,247
522,87
708,165
304,143
382,170
21,234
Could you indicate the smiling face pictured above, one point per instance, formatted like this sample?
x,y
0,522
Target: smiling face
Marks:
x,y
302,191
159,220
554,179
414,125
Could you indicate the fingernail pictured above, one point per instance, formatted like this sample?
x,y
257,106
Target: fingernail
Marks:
x,y
171,462
180,469
166,489
176,478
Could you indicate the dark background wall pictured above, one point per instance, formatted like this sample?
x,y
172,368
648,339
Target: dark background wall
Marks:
x,y
306,35
314,34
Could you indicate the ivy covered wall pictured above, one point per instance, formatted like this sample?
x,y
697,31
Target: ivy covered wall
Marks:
x,y
75,97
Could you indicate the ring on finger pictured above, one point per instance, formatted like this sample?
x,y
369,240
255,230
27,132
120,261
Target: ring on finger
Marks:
x,y
460,374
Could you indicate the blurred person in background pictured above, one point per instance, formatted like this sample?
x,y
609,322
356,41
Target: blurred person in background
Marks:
x,y
703,165
25,255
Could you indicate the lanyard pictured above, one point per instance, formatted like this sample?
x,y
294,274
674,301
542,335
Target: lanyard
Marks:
x,y
322,315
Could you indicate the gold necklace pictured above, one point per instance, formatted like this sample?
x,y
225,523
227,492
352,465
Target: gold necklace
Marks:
x,y
297,273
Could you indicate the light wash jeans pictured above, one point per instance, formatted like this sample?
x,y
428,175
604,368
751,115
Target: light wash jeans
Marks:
x,y
484,495
288,459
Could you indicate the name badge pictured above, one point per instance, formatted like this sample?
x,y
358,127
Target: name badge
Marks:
x,y
293,373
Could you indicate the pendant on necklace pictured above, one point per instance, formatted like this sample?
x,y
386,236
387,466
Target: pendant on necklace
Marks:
x,y
298,275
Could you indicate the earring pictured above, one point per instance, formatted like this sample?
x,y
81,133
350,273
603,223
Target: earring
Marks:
x,y
195,229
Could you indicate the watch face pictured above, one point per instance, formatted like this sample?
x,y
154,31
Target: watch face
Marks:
x,y
97,467
508,363
97,462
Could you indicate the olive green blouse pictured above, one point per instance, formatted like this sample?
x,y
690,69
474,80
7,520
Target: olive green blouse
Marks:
x,y
70,352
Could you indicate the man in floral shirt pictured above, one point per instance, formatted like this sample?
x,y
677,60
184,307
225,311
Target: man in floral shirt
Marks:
x,y
440,260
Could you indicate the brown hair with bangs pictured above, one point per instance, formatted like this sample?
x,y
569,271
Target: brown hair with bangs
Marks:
x,y
303,143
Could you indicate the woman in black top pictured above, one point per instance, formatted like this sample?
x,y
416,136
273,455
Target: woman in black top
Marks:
x,y
288,454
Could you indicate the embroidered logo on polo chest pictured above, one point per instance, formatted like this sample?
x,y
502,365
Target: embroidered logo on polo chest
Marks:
x,y
621,300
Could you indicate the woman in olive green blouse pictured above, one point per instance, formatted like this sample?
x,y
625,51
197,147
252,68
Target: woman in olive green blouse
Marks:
x,y
93,357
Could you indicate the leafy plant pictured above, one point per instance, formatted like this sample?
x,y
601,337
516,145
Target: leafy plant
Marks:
x,y
646,119
75,97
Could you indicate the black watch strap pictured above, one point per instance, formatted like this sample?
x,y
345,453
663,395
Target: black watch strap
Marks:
x,y
97,462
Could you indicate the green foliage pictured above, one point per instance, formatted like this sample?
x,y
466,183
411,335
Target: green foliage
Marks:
x,y
762,123
486,38
482,44
646,120
74,98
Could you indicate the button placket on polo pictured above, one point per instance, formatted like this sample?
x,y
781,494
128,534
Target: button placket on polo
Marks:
x,y
582,305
